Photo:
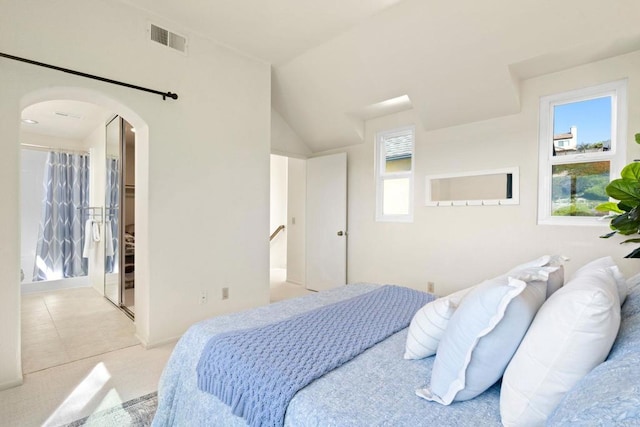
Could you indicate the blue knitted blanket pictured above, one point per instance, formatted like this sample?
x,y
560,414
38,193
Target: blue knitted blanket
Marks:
x,y
258,371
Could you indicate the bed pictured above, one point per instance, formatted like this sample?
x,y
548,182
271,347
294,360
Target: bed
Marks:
x,y
377,388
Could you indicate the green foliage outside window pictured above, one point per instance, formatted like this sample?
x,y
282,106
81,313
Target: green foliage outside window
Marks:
x,y
578,188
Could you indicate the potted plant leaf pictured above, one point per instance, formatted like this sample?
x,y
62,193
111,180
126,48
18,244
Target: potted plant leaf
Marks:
x,y
625,219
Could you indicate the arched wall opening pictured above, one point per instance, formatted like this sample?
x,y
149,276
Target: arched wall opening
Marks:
x,y
141,179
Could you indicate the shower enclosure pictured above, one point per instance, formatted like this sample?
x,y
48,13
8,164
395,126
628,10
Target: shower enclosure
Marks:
x,y
78,217
55,191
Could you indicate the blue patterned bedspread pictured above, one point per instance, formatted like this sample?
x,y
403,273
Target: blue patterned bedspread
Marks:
x,y
257,371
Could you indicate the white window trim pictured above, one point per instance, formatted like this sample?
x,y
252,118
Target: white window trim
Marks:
x,y
617,156
380,177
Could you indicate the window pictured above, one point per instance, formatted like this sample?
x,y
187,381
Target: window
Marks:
x,y
582,147
394,175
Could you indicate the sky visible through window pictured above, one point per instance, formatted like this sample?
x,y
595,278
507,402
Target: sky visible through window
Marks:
x,y
592,118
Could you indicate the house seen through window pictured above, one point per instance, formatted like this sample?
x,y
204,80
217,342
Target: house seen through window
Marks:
x,y
581,149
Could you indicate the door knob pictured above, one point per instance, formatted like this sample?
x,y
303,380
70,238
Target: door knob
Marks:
x,y
340,233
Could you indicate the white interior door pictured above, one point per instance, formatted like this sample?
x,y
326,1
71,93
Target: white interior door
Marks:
x,y
326,240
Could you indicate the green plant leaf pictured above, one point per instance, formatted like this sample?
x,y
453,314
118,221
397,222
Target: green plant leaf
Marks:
x,y
631,171
625,225
606,236
634,254
623,207
625,190
609,207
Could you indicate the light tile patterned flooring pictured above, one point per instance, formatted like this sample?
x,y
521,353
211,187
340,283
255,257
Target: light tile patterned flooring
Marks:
x,y
72,390
71,324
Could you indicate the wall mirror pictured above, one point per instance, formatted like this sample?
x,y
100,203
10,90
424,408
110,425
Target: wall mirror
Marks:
x,y
487,187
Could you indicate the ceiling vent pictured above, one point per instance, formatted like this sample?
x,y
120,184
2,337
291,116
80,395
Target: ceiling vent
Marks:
x,y
67,115
167,38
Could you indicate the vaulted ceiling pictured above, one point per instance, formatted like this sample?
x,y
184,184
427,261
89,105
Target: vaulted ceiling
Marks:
x,y
336,64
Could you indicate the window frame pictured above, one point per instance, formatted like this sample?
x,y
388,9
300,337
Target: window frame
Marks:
x,y
382,176
617,90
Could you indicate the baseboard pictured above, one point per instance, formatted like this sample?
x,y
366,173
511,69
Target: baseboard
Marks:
x,y
143,342
154,344
11,384
54,285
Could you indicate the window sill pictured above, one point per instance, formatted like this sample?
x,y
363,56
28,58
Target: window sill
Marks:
x,y
403,219
575,221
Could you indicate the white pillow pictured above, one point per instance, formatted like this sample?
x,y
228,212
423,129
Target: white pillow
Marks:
x,y
607,263
482,335
571,334
430,322
456,297
556,278
621,283
428,325
538,262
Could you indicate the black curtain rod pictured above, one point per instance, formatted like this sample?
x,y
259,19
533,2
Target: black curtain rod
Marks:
x,y
164,95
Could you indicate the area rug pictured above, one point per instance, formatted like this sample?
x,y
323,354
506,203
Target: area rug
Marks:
x,y
137,412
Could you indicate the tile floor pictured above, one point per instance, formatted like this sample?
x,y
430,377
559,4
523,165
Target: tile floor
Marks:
x,y
70,390
70,324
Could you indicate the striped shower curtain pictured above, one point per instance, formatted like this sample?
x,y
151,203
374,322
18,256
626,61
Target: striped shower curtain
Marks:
x,y
61,232
112,203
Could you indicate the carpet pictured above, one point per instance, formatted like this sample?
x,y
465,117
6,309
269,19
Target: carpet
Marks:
x,y
136,412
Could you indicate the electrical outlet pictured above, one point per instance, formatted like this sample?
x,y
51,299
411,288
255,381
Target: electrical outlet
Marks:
x,y
203,296
431,287
225,293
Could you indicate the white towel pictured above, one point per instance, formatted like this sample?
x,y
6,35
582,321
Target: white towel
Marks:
x,y
108,239
88,241
95,231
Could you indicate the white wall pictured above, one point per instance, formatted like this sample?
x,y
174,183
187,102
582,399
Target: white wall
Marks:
x,y
52,141
284,141
296,225
278,208
456,247
202,190
32,174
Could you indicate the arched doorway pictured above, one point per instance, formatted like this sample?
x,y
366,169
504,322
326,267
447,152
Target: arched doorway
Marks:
x,y
115,109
